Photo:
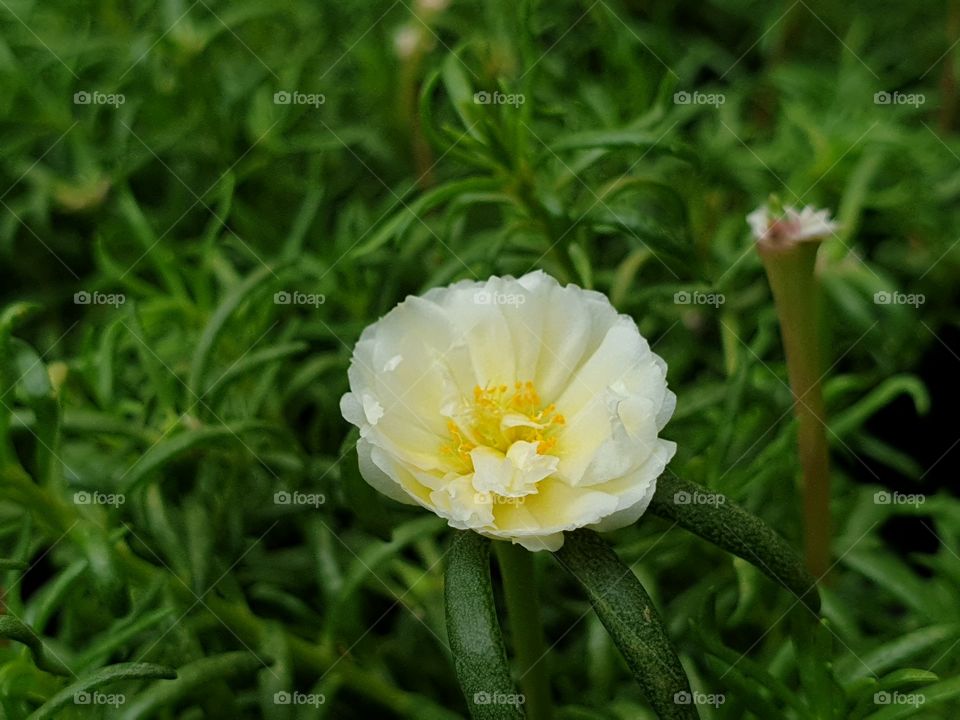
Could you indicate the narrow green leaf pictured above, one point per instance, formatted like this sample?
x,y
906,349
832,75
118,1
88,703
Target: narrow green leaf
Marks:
x,y
412,211
458,87
155,252
623,277
813,641
736,531
45,604
581,261
218,321
907,677
376,555
188,678
616,139
38,392
250,362
463,146
166,450
642,230
751,682
104,676
896,651
161,380
479,654
854,416
117,272
756,681
855,196
918,703
628,614
102,565
13,629
119,634
901,687
10,316
931,599
293,247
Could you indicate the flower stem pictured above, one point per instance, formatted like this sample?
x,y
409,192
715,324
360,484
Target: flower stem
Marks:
x,y
523,614
790,269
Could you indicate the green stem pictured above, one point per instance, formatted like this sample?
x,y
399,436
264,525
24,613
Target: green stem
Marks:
x,y
523,615
790,269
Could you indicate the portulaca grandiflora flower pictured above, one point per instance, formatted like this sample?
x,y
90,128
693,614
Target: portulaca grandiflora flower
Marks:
x,y
787,241
774,227
516,407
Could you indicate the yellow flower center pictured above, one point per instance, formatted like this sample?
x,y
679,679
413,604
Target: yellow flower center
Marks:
x,y
497,417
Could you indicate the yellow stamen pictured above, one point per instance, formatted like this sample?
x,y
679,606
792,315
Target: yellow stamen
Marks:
x,y
481,422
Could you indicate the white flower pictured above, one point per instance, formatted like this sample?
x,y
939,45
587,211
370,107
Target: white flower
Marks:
x,y
407,40
792,225
432,6
516,408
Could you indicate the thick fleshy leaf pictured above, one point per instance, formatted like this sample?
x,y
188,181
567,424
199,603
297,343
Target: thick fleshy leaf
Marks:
x,y
737,531
188,679
896,651
13,629
628,614
83,687
902,687
475,638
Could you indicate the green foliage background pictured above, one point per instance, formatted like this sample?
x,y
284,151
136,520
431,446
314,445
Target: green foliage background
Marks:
x,y
200,397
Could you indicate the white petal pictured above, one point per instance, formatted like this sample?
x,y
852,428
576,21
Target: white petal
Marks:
x,y
377,478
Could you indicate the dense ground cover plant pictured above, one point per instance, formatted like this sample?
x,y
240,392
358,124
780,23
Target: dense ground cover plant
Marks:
x,y
203,205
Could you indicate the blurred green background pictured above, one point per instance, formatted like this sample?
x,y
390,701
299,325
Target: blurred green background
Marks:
x,y
202,204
